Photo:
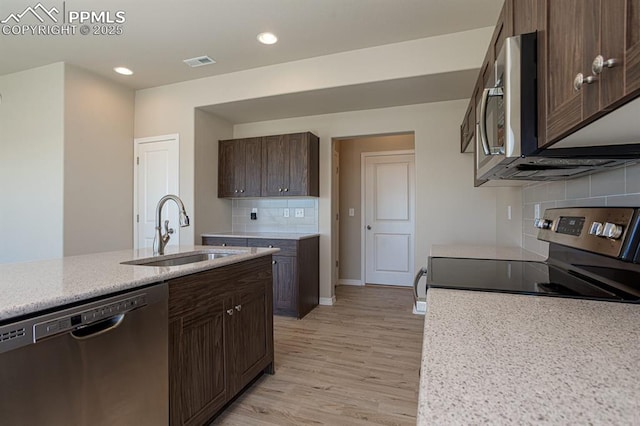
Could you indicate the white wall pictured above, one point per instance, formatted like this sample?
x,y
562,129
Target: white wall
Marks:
x,y
209,214
449,209
98,163
31,174
170,109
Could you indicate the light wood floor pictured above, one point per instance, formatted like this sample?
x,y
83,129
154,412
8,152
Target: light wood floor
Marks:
x,y
354,363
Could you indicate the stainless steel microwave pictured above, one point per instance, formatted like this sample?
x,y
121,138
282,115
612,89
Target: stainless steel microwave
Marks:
x,y
507,143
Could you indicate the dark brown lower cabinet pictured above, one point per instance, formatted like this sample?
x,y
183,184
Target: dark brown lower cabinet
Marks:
x,y
296,271
220,337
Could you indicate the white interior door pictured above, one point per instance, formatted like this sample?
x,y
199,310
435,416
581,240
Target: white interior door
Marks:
x,y
156,175
389,219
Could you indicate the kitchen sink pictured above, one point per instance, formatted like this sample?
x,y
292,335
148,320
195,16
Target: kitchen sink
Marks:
x,y
182,259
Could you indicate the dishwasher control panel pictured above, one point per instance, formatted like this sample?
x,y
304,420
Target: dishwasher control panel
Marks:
x,y
80,319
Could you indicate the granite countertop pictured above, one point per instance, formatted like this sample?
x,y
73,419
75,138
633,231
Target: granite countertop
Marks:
x,y
29,287
518,359
266,235
485,252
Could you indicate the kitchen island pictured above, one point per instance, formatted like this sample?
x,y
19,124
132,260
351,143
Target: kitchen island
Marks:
x,y
197,334
518,359
29,287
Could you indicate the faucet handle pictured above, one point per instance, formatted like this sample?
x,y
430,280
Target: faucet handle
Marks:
x,y
166,227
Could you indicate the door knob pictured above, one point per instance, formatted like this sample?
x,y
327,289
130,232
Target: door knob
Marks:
x,y
238,308
230,311
369,227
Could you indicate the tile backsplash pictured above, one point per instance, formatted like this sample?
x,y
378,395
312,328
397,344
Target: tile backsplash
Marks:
x,y
615,188
271,215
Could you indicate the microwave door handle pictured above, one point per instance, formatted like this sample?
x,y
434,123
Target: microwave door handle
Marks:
x,y
483,121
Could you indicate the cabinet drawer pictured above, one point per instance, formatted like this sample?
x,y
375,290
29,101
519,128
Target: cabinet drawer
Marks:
x,y
224,241
287,247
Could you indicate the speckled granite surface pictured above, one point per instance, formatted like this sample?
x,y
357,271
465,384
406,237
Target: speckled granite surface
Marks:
x,y
34,286
485,252
505,359
274,235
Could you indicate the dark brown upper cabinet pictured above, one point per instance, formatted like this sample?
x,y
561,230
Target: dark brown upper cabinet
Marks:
x,y
290,165
269,166
589,60
239,168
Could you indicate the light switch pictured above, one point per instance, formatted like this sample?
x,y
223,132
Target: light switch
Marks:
x,y
352,212
299,212
286,213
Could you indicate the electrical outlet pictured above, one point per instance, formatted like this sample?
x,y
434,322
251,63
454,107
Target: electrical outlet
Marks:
x,y
286,212
254,210
299,212
352,212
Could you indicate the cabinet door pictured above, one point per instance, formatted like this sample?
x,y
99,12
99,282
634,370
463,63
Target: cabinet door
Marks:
x,y
297,181
632,47
198,383
253,336
226,169
251,165
274,165
570,33
285,290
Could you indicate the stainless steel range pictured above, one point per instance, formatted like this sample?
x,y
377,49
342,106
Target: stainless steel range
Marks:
x,y
594,253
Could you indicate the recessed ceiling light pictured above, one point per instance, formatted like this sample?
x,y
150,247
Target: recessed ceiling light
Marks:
x,y
267,38
123,70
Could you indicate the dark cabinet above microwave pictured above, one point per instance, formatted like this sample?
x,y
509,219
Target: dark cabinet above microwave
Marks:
x,y
588,85
269,166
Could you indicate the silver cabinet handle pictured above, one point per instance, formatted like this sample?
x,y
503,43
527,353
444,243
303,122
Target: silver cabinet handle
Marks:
x,y
279,189
238,308
236,191
230,311
273,262
242,190
580,80
369,227
270,246
599,64
286,190
224,244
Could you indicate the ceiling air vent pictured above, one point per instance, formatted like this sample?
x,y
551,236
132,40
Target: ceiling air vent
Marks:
x,y
199,61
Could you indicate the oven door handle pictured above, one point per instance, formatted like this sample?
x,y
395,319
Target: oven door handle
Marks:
x,y
416,280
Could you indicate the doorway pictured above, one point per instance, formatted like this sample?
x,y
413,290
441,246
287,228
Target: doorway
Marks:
x,y
156,174
349,225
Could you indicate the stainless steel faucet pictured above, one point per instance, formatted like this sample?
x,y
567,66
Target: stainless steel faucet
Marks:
x,y
161,240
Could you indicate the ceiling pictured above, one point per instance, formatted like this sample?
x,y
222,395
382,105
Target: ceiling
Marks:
x,y
159,34
405,91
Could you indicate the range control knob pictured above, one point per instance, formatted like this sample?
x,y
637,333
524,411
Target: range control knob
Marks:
x,y
542,223
596,229
612,231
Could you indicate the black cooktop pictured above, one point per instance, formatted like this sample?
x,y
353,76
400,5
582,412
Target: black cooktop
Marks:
x,y
533,278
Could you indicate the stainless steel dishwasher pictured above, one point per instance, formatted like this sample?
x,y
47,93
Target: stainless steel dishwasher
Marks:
x,y
99,363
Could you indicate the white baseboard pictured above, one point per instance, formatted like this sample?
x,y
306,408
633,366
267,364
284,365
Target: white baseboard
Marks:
x,y
350,282
328,301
